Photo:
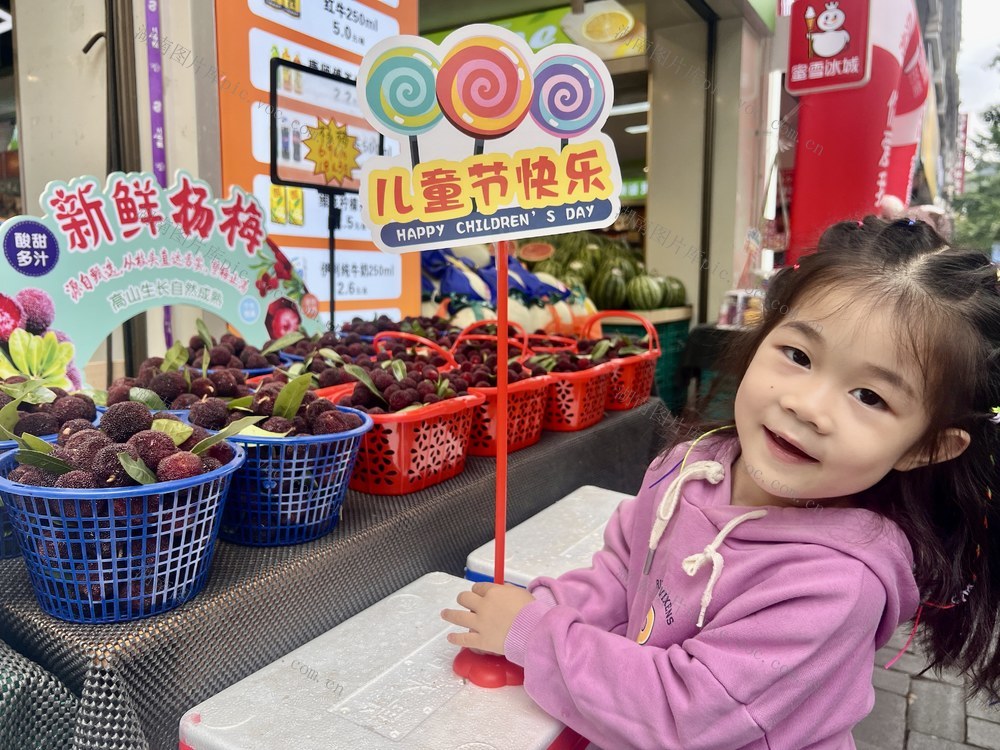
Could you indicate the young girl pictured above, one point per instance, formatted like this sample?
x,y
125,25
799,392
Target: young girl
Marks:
x,y
739,599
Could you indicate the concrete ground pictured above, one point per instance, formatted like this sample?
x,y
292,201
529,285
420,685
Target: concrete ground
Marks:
x,y
925,712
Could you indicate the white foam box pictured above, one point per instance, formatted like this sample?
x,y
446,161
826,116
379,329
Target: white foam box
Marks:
x,y
380,680
560,538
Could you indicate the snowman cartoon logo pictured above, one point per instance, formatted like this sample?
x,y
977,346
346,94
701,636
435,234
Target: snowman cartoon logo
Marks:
x,y
831,39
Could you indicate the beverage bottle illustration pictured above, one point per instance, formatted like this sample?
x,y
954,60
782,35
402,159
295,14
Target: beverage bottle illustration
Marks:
x,y
286,134
296,206
279,207
296,146
293,7
286,72
297,76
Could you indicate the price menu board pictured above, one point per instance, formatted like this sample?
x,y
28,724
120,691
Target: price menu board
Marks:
x,y
321,139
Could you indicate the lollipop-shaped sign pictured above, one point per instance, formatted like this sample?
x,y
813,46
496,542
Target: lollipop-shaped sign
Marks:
x,y
484,88
401,95
568,96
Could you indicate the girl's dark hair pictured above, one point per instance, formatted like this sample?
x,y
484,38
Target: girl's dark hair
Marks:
x,y
947,305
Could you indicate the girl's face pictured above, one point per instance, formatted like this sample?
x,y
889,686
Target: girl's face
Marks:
x,y
829,405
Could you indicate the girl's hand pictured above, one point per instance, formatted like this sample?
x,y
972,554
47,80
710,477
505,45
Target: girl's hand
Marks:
x,y
489,611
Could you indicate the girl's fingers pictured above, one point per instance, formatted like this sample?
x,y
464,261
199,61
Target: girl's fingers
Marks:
x,y
462,618
481,587
468,640
469,600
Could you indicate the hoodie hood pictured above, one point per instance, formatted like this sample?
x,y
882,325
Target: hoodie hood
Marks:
x,y
864,535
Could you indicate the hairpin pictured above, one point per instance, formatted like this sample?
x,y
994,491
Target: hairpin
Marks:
x,y
995,419
910,222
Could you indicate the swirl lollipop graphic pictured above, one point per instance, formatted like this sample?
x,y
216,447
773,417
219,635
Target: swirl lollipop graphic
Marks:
x,y
568,97
401,93
484,88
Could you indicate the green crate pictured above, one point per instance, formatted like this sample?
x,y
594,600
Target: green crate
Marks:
x,y
673,339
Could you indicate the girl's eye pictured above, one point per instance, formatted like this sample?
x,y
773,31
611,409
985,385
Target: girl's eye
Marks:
x,y
870,398
797,356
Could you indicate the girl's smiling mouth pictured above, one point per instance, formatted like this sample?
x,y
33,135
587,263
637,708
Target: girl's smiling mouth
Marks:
x,y
786,450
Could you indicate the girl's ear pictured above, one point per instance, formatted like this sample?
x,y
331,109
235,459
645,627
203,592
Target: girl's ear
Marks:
x,y
951,444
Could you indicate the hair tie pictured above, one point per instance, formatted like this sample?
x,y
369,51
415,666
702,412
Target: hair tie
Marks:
x,y
995,419
910,222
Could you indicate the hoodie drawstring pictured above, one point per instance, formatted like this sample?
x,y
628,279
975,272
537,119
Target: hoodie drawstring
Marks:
x,y
710,470
693,563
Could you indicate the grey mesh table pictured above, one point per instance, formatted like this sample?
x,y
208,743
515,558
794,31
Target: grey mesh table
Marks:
x,y
127,685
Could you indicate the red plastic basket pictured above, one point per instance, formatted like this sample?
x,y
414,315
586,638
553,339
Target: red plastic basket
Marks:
x,y
526,400
550,342
576,400
632,379
521,342
409,451
421,343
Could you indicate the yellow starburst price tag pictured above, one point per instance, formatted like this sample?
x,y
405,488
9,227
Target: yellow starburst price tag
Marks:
x,y
332,151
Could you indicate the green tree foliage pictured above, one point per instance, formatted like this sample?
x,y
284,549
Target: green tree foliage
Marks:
x,y
978,208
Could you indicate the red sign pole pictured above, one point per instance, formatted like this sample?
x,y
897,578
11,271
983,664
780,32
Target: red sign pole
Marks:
x,y
502,251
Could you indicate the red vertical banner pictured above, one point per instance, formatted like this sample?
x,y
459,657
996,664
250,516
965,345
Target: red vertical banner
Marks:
x,y
909,117
843,154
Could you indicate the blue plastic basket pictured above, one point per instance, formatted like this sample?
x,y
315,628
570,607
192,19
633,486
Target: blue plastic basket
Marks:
x,y
291,489
290,359
111,555
8,543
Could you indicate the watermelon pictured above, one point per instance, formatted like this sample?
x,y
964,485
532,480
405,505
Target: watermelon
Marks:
x,y
549,265
674,293
535,251
662,283
626,266
583,267
643,293
608,289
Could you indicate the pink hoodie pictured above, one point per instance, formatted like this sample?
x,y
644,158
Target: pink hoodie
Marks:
x,y
794,602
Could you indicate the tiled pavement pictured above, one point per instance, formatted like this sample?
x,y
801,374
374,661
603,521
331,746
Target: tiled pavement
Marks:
x,y
923,713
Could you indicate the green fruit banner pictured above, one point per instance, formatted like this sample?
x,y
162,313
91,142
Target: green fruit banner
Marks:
x,y
98,257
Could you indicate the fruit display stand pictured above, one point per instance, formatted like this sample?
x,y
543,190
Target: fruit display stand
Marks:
x,y
347,690
560,538
135,680
46,708
671,324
